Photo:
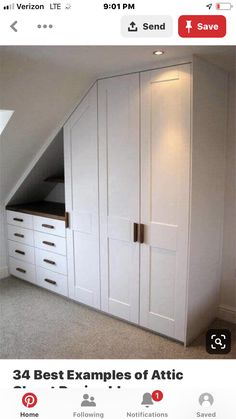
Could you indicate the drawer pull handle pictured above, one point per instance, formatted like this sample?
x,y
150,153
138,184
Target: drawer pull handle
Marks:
x,y
19,235
20,252
48,226
48,243
21,270
18,219
51,262
50,281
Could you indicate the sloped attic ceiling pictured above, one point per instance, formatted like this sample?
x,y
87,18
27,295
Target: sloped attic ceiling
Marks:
x,y
43,84
51,163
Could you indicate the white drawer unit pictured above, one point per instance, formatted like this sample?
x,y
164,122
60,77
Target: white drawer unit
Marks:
x,y
21,251
22,270
55,244
21,235
51,261
20,219
52,281
37,250
49,225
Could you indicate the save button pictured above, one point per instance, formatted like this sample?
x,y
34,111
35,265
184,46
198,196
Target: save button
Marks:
x,y
202,26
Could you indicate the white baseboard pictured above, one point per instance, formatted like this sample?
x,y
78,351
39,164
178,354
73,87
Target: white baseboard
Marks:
x,y
227,313
4,273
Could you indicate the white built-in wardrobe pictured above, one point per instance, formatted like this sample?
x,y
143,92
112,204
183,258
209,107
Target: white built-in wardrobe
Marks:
x,y
144,182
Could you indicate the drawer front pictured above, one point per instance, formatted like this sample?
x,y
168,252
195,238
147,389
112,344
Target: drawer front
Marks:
x,y
50,243
22,270
19,219
52,281
49,226
51,261
20,235
21,251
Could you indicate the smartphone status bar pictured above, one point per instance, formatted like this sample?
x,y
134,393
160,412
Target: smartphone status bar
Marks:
x,y
71,22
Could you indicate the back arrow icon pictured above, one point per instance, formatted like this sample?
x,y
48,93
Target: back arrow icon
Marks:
x,y
13,26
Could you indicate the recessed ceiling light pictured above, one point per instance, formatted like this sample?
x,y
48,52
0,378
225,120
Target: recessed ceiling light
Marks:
x,y
158,52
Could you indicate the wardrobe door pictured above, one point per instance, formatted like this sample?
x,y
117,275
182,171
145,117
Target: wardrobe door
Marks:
x,y
165,156
81,173
118,104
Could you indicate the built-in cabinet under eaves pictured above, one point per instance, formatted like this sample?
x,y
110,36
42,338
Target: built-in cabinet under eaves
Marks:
x,y
144,186
37,221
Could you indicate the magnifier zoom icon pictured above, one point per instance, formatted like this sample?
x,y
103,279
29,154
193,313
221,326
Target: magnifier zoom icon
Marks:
x,y
218,341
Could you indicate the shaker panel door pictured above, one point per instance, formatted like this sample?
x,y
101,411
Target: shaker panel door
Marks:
x,y
81,171
118,101
165,157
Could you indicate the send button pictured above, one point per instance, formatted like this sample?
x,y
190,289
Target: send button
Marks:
x,y
147,26
154,27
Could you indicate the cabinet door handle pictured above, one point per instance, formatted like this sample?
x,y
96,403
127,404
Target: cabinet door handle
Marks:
x,y
67,222
18,219
135,237
141,233
19,235
21,270
50,281
48,243
48,226
20,252
51,262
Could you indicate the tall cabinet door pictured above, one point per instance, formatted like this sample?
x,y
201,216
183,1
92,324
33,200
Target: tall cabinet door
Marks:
x,y
118,101
81,174
165,156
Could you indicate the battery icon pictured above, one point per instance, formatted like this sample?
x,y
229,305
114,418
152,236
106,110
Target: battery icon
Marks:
x,y
224,6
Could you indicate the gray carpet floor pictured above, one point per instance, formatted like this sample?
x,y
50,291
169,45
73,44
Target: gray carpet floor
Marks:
x,y
35,323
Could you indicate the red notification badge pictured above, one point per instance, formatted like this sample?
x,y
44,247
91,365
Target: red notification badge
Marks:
x,y
202,26
157,395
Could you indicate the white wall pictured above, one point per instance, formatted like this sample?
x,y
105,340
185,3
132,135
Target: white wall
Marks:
x,y
3,259
228,286
57,194
42,84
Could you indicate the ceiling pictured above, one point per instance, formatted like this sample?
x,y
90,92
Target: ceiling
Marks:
x,y
42,84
